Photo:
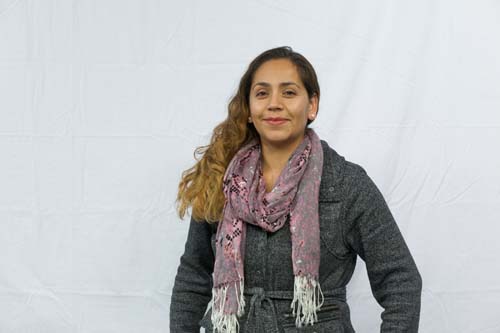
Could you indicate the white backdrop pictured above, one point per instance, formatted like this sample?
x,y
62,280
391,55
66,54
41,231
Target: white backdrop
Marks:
x,y
102,104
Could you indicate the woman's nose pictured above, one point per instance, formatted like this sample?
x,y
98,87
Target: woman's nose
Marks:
x,y
275,101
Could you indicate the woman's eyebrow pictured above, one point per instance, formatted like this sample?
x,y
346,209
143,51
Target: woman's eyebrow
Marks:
x,y
282,84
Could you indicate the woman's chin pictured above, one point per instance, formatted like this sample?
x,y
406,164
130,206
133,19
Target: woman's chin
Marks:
x,y
278,139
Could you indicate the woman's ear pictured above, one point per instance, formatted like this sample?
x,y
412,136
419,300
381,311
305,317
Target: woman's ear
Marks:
x,y
313,107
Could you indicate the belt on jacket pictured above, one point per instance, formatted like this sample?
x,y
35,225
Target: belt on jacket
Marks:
x,y
259,295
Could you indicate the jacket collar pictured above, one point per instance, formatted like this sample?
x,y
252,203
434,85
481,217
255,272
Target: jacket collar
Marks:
x,y
332,175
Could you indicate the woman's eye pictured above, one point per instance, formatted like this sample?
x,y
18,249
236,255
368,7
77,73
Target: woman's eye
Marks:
x,y
288,93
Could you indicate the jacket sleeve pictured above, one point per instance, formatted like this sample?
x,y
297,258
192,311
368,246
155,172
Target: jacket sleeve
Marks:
x,y
374,235
192,289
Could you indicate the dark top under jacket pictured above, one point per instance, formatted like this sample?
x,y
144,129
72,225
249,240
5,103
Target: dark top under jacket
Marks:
x,y
354,220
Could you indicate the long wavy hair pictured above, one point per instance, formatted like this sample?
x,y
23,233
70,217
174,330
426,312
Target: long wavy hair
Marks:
x,y
201,185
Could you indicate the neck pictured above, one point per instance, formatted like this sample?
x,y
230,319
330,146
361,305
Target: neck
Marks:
x,y
275,157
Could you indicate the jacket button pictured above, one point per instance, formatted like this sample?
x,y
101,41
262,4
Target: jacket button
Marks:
x,y
331,189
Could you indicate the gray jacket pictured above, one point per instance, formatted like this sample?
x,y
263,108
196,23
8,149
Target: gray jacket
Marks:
x,y
354,220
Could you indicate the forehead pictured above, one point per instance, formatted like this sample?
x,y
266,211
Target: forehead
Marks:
x,y
275,71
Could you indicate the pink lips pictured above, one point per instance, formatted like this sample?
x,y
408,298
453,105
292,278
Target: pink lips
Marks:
x,y
275,121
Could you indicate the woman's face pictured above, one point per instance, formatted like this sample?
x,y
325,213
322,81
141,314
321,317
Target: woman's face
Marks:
x,y
279,105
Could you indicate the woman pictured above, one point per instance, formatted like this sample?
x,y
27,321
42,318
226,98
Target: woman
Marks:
x,y
279,218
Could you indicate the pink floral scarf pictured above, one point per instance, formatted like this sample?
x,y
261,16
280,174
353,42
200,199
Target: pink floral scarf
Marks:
x,y
296,194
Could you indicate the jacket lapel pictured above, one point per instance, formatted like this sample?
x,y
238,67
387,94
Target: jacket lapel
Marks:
x,y
331,177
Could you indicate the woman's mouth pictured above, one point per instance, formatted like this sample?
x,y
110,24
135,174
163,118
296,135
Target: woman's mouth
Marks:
x,y
275,121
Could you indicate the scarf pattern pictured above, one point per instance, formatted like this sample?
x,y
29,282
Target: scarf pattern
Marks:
x,y
295,195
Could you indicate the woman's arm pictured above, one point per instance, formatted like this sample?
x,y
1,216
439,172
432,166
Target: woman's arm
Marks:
x,y
372,233
193,283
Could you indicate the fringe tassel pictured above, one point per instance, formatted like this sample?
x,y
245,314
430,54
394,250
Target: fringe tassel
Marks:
x,y
226,323
304,294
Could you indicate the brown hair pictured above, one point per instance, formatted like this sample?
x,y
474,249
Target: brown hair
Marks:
x,y
201,185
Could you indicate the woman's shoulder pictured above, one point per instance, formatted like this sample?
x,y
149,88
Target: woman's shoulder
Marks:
x,y
338,169
355,189
345,180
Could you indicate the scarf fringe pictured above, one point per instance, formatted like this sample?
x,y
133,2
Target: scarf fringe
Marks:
x,y
224,322
305,303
